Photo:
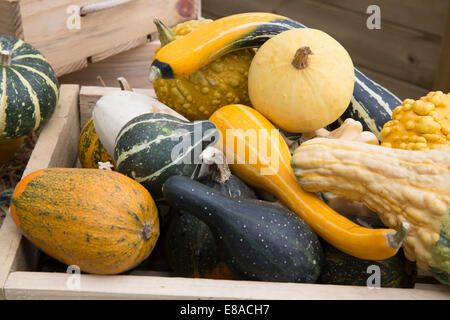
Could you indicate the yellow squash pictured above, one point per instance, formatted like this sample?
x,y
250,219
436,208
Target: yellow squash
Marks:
x,y
258,154
197,95
301,80
211,41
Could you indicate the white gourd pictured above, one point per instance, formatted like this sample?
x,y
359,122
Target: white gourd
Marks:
x,y
115,109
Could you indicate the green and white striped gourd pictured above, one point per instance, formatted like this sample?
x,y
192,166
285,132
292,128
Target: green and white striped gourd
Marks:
x,y
155,146
28,88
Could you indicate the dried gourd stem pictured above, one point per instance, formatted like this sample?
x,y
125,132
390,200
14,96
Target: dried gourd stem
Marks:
x,y
165,33
214,157
5,58
395,239
155,73
124,85
105,165
301,58
95,7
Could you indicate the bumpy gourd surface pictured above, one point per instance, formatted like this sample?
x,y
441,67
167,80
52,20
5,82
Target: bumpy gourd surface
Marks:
x,y
400,185
419,125
222,82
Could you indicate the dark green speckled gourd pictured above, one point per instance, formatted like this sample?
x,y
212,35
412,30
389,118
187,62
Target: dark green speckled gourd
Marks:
x,y
256,239
189,244
343,269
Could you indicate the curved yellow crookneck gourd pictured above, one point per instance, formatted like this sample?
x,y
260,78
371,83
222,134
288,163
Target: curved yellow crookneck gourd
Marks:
x,y
263,161
208,42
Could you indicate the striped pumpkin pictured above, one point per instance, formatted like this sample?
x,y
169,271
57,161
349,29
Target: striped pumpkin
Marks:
x,y
155,146
28,88
90,149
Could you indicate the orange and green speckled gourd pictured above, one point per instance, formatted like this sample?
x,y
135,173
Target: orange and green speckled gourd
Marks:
x,y
90,149
419,125
100,220
221,82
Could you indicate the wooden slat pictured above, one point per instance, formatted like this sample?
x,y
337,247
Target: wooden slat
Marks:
x,y
34,285
443,70
427,16
134,65
116,50
56,147
10,18
402,53
102,33
90,94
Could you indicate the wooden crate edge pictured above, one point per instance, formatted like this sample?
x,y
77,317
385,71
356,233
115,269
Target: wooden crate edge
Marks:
x,y
50,150
40,285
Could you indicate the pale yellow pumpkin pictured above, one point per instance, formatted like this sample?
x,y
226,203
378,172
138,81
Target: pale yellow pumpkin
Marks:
x,y
301,80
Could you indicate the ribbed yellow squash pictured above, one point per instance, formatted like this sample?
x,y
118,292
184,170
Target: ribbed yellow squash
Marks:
x,y
400,185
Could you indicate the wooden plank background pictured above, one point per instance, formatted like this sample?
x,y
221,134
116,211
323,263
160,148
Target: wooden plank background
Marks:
x,y
43,24
133,64
443,72
402,56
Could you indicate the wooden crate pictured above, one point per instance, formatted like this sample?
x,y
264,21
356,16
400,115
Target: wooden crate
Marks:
x,y
51,26
57,147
